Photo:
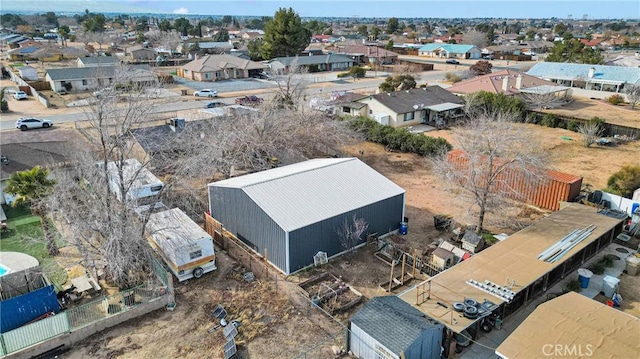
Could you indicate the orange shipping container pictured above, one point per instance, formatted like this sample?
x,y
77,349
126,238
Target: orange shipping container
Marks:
x,y
546,192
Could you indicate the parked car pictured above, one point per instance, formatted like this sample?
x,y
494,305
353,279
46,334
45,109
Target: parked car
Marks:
x,y
215,104
261,75
32,122
453,62
206,93
249,100
20,95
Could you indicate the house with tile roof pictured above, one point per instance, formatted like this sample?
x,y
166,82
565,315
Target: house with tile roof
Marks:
x,y
220,67
431,105
448,51
508,82
366,55
587,76
328,62
388,327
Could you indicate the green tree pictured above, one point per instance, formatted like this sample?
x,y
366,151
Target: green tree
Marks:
x,y
392,25
94,23
254,49
64,31
375,32
362,30
4,105
398,83
51,18
389,45
221,36
625,181
33,187
182,25
165,25
572,50
284,35
357,72
226,20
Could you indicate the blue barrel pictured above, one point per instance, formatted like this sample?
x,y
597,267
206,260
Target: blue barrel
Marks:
x,y
404,227
583,276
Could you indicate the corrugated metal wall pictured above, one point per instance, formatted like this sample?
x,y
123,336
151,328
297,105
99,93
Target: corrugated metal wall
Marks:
x,y
242,217
542,192
304,243
18,311
362,345
37,332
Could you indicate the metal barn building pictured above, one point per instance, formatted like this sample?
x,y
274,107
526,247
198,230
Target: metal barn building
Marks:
x,y
293,212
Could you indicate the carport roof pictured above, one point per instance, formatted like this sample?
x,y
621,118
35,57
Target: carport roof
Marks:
x,y
304,193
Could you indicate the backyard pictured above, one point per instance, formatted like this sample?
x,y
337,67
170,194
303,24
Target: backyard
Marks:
x,y
25,235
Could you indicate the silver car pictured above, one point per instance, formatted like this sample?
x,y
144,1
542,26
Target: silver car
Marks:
x,y
20,95
32,122
206,93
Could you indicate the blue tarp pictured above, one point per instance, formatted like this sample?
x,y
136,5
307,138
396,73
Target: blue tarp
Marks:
x,y
18,311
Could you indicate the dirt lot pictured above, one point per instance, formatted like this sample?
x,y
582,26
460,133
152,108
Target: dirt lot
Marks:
x,y
587,109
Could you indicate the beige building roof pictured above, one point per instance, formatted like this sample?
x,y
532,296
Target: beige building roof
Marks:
x,y
512,260
212,63
494,83
580,327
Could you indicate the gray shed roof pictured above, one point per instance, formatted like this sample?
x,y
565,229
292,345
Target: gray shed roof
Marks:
x,y
392,322
403,101
313,60
81,73
308,192
99,60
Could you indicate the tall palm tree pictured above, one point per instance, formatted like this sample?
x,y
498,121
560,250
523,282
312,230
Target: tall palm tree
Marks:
x,y
32,187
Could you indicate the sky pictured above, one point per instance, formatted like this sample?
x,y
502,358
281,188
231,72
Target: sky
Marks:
x,y
594,9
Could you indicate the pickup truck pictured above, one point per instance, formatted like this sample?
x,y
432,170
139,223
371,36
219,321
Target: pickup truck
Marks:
x,y
249,100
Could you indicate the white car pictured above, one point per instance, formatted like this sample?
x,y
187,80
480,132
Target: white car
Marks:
x,y
206,93
32,122
20,95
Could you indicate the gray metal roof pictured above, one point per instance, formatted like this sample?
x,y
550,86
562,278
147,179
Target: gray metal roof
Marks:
x,y
308,192
82,73
561,70
99,60
392,322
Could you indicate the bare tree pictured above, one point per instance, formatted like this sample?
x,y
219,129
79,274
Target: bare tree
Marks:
x,y
350,234
105,228
542,100
476,38
633,94
494,148
591,132
291,87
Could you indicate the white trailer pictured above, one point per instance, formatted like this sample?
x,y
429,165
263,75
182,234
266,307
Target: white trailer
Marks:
x,y
183,245
141,183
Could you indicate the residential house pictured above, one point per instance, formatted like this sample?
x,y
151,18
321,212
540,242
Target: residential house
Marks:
x,y
472,242
87,78
448,51
215,47
252,35
513,265
593,43
97,61
388,327
367,55
320,38
347,103
26,155
431,105
581,326
586,76
219,67
447,39
141,52
28,73
624,60
329,62
508,82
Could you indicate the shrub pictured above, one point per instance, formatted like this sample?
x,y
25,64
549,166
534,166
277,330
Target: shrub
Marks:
x,y
452,77
625,181
597,268
549,120
615,99
573,286
399,139
573,125
343,74
357,72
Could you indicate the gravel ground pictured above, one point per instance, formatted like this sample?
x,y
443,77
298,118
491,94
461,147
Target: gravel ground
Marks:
x,y
226,85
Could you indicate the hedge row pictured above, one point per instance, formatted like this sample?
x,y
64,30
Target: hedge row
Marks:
x,y
399,139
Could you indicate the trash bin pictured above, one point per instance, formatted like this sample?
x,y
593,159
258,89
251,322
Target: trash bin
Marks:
x,y
404,227
584,275
609,285
633,265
